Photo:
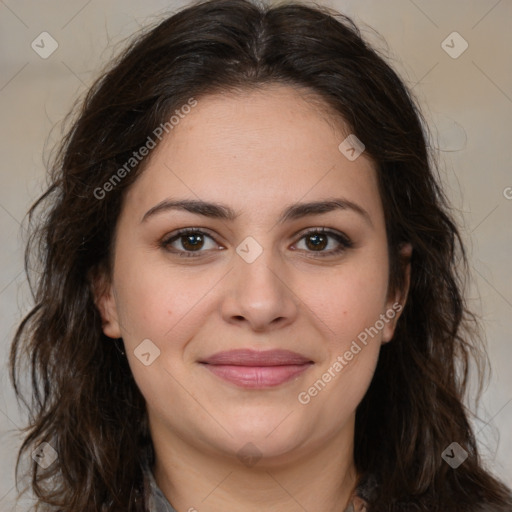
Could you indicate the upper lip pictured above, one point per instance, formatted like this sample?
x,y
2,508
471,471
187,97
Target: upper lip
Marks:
x,y
248,357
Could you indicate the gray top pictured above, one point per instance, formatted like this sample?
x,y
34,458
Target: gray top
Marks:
x,y
155,499
157,502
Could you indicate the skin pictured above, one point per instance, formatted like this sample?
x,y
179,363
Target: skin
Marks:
x,y
256,152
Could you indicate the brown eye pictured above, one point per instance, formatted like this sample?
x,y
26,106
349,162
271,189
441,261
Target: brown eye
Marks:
x,y
192,242
187,241
316,240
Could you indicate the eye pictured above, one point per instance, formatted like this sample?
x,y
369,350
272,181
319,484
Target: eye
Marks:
x,y
316,240
191,241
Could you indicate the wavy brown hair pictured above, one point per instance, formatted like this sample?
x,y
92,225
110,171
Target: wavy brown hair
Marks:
x,y
82,397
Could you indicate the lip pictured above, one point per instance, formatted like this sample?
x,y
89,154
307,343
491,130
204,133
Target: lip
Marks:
x,y
257,369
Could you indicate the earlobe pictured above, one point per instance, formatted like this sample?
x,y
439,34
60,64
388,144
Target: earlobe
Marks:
x,y
396,303
104,299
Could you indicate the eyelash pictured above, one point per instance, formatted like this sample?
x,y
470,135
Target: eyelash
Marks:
x,y
343,240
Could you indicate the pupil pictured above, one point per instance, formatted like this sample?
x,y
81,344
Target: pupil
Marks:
x,y
190,240
319,241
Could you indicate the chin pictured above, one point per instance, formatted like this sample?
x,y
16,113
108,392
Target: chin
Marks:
x,y
265,442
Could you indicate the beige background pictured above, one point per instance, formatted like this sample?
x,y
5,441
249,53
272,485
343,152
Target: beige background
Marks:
x,y
468,101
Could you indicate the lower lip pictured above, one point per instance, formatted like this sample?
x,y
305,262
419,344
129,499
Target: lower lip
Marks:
x,y
257,377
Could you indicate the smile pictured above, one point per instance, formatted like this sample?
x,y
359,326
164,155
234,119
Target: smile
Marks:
x,y
255,369
257,376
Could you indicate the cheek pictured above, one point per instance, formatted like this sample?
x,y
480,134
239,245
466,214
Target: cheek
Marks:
x,y
153,298
142,310
350,300
357,298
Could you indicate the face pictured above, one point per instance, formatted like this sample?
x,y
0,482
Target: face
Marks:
x,y
207,317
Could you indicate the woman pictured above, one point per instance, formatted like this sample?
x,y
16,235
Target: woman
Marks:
x,y
250,295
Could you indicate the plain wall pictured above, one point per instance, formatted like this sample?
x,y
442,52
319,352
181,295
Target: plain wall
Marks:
x,y
467,100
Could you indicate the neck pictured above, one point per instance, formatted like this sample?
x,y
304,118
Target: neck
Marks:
x,y
321,477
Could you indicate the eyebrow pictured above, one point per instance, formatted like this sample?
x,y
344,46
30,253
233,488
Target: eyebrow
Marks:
x,y
221,211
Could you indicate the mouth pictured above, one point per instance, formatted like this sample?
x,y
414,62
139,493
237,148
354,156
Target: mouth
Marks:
x,y
257,369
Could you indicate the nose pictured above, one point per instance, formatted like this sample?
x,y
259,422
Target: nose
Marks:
x,y
260,294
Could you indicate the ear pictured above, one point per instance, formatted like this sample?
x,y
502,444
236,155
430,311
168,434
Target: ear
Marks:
x,y
396,302
105,301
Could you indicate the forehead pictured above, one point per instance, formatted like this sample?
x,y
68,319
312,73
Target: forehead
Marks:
x,y
256,150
